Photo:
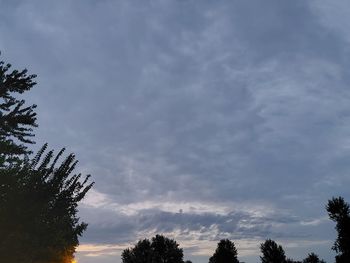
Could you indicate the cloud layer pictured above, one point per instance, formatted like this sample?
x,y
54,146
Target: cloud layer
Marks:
x,y
200,120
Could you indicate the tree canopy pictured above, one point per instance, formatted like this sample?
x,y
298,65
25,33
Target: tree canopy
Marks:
x,y
313,258
17,119
339,211
159,250
38,209
225,252
272,253
38,195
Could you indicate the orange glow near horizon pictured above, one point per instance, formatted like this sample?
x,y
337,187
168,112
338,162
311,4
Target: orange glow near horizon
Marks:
x,y
74,261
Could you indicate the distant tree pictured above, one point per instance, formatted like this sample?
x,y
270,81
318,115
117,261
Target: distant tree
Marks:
x,y
159,250
142,252
272,253
339,211
289,260
225,252
17,120
38,209
313,258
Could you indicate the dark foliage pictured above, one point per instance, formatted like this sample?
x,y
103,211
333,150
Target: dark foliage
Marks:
x,y
313,258
38,209
225,252
272,253
288,260
17,120
159,250
39,196
339,211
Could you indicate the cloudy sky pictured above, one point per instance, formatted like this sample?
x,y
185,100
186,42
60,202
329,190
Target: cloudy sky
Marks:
x,y
200,120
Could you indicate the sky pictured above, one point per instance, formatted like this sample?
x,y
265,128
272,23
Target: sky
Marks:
x,y
198,120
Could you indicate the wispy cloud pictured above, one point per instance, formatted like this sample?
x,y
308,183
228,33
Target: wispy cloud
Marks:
x,y
233,110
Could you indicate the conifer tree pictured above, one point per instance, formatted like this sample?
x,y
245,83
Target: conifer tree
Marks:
x,y
38,195
17,120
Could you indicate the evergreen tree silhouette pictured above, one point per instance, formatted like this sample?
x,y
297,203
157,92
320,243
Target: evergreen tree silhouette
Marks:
x,y
17,120
38,196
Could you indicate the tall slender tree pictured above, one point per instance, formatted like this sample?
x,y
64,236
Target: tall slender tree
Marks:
x,y
339,211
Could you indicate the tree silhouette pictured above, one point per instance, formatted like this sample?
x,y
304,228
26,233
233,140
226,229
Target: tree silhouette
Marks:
x,y
289,260
38,209
272,253
16,119
39,195
225,252
141,253
159,250
313,258
339,211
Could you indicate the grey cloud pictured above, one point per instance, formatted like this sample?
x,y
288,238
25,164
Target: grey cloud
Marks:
x,y
113,227
181,100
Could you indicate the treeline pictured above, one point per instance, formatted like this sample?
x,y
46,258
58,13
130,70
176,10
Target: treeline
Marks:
x,y
164,250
